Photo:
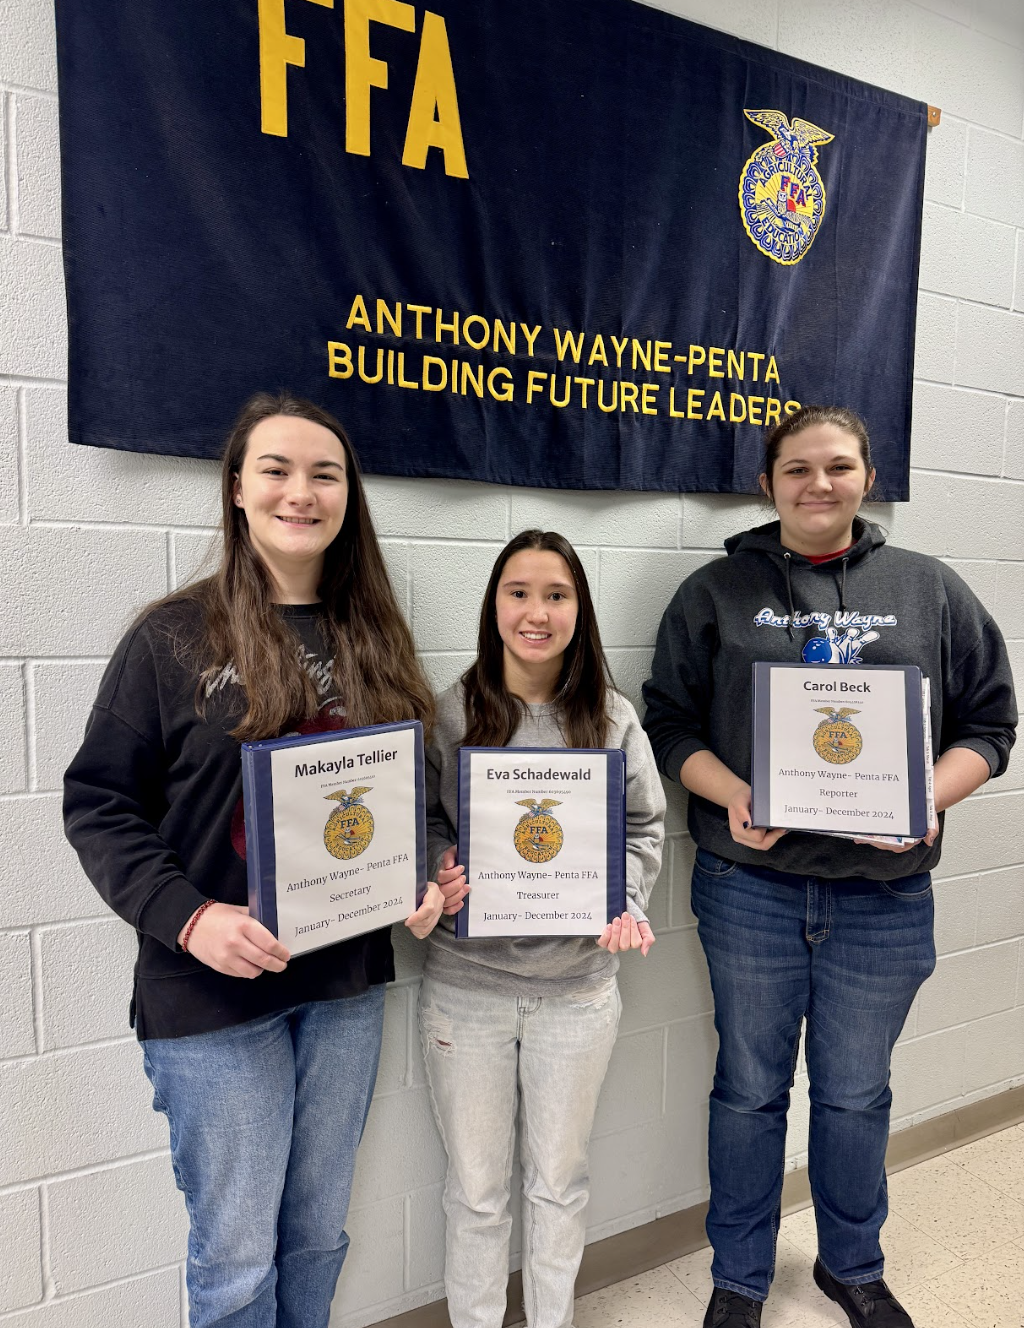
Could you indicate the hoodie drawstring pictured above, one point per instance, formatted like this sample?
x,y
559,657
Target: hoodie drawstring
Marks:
x,y
842,587
789,592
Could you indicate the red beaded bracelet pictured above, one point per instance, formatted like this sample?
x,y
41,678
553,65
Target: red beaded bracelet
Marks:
x,y
192,922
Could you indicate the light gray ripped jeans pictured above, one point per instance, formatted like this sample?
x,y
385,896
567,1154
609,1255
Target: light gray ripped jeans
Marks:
x,y
486,1054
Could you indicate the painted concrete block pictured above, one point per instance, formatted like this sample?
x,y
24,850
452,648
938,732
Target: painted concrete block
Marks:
x,y
1002,19
957,430
671,983
995,177
193,555
970,75
1009,605
448,583
632,1091
437,509
75,1109
710,518
17,1029
68,482
64,693
13,767
634,1178
754,23
426,1236
922,523
11,490
392,1072
869,40
640,520
21,1278
33,322
1013,458
443,669
87,981
993,1050
100,579
401,1140
630,670
990,349
935,344
375,1264
945,163
38,156
110,1224
396,559
928,1070
636,589
31,60
692,1046
1000,905
969,986
956,907
683,851
4,217
40,879
153,1300
981,833
987,519
966,256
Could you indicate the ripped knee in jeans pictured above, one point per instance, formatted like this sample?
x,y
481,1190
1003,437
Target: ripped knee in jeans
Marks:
x,y
437,1032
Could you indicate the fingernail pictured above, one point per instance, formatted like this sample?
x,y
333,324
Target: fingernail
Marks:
x,y
746,825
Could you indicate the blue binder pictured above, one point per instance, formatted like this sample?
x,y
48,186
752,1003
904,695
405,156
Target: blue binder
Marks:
x,y
258,803
615,834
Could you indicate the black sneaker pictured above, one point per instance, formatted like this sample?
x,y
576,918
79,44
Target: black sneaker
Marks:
x,y
728,1309
869,1305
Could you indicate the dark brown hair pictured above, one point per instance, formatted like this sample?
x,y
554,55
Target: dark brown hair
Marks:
x,y
493,713
807,416
376,671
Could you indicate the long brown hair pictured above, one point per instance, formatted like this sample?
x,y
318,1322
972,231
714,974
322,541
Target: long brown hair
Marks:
x,y
376,672
493,713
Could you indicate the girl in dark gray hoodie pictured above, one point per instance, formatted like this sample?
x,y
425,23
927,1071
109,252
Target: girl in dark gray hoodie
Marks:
x,y
798,926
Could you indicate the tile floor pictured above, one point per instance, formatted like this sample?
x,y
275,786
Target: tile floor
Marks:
x,y
954,1247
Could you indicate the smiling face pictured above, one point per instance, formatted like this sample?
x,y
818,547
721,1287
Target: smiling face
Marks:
x,y
818,483
536,606
293,488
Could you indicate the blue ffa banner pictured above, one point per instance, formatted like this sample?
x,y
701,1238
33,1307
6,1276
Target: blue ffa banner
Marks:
x,y
579,245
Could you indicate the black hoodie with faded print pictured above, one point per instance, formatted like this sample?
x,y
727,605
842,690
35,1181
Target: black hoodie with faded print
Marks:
x,y
873,604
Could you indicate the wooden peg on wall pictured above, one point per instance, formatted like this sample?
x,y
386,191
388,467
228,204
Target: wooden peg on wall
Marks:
x,y
934,116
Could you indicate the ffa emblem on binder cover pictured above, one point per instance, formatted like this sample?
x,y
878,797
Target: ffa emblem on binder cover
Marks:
x,y
537,836
782,197
349,827
835,739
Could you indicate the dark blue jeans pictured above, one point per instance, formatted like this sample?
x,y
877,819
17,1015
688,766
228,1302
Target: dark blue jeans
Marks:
x,y
848,956
265,1120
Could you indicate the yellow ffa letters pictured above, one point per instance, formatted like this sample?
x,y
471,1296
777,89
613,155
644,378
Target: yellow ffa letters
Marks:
x,y
434,110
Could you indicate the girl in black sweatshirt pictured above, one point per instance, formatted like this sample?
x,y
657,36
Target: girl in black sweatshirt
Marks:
x,y
805,927
264,1065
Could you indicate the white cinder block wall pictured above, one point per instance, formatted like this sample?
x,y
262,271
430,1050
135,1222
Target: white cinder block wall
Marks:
x,y
92,1229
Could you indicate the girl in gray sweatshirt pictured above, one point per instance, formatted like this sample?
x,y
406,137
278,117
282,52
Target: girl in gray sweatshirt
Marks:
x,y
527,1023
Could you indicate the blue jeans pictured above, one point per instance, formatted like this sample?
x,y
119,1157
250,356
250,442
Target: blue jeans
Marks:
x,y
848,956
265,1120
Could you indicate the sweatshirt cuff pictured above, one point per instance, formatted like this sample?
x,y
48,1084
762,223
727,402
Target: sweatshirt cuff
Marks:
x,y
986,750
168,909
673,760
635,911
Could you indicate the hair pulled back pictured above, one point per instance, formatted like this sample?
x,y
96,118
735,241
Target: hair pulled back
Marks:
x,y
805,418
375,669
493,713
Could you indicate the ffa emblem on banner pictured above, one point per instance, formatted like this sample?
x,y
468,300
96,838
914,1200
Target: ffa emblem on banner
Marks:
x,y
782,197
349,827
537,836
835,739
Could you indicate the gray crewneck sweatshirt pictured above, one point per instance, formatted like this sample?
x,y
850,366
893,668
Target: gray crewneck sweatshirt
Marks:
x,y
539,965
